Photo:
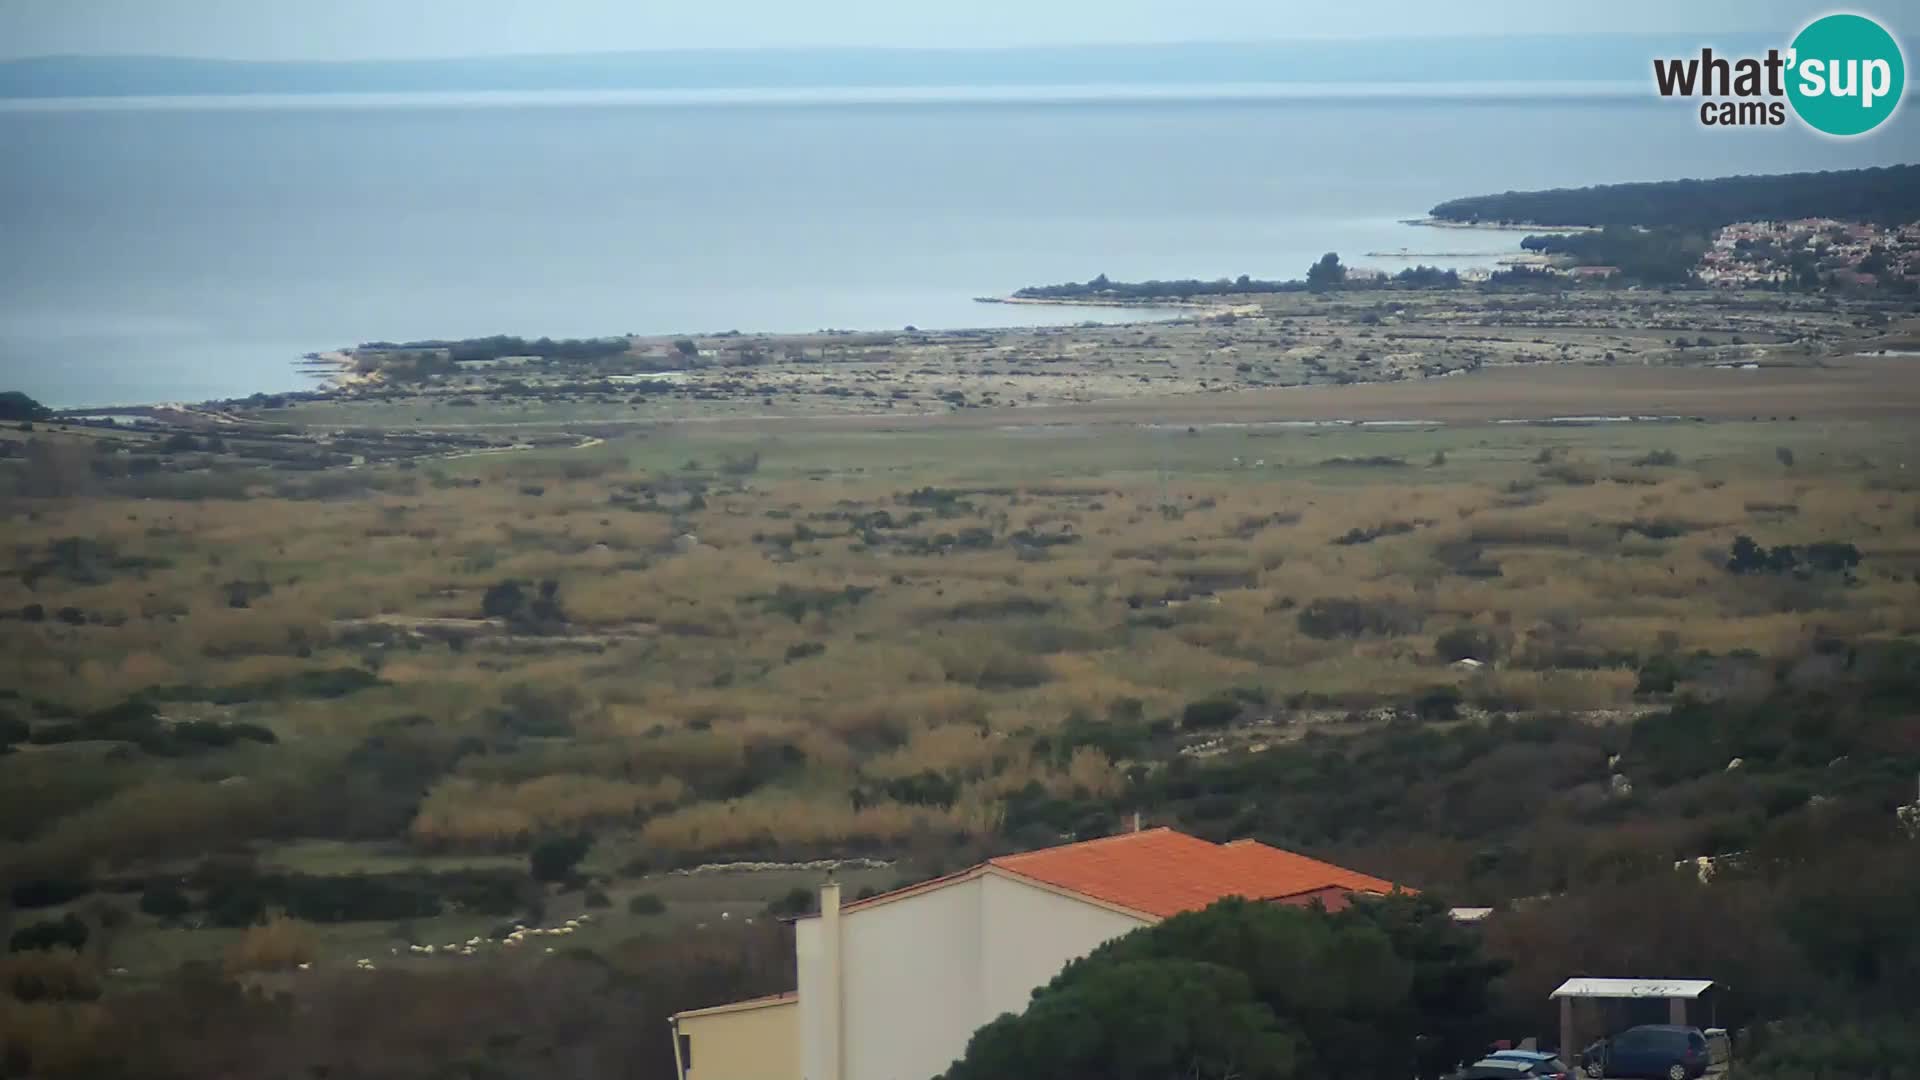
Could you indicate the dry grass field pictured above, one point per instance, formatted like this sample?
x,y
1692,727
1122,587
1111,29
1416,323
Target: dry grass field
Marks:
x,y
700,629
761,643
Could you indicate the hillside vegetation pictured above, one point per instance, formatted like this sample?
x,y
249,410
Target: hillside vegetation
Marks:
x,y
1887,194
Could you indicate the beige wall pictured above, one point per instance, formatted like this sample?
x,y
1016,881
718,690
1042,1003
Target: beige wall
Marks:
x,y
760,1043
924,972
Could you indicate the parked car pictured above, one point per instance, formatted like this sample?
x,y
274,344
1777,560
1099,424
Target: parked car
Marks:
x,y
1650,1051
1546,1065
1524,1067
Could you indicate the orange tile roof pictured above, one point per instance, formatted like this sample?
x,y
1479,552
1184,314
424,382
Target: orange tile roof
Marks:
x,y
1161,872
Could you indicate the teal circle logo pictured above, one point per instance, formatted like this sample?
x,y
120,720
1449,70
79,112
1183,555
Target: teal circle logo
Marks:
x,y
1846,74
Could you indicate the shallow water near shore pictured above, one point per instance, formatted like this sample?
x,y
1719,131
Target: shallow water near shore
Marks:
x,y
181,253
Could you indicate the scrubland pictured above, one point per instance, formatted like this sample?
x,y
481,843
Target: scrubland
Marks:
x,y
767,658
329,719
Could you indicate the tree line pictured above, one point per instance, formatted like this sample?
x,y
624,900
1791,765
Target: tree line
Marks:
x,y
499,345
1658,256
1327,273
1888,195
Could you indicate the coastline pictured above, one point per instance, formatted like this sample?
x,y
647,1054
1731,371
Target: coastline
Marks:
x,y
1497,226
347,368
1103,302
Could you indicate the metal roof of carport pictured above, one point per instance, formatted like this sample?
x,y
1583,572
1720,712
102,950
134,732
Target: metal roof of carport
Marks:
x,y
1632,988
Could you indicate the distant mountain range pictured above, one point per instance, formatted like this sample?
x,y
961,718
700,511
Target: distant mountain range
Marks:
x,y
1555,58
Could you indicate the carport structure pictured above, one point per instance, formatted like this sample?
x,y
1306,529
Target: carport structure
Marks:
x,y
1677,992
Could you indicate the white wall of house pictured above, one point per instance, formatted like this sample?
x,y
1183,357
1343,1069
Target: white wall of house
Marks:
x,y
922,973
1031,933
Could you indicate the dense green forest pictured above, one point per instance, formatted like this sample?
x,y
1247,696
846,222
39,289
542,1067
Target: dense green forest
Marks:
x,y
1889,194
1659,256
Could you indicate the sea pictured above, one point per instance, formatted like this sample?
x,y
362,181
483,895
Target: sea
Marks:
x,y
184,249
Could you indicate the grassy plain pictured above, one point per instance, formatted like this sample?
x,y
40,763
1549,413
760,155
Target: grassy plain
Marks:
x,y
800,637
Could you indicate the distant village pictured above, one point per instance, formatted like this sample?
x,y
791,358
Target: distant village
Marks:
x,y
1810,251
1806,253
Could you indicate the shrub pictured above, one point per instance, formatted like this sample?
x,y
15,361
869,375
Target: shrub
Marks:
x,y
1439,703
486,892
1660,675
236,904
13,729
1827,556
1333,617
597,898
358,898
1210,713
56,974
998,669
46,892
164,902
540,712
503,601
1358,535
554,859
1464,643
462,811
798,901
276,945
646,904
69,932
1862,1048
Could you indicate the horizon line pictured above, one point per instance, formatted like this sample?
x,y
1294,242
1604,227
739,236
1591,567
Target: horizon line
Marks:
x,y
1089,46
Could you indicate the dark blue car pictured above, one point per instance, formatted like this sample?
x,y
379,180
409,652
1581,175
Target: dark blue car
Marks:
x,y
1650,1052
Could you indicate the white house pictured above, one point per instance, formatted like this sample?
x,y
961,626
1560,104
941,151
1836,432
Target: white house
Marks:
x,y
891,987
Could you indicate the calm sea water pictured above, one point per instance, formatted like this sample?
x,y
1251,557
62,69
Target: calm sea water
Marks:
x,y
185,251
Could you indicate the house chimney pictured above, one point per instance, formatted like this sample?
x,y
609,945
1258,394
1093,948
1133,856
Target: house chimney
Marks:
x,y
832,1017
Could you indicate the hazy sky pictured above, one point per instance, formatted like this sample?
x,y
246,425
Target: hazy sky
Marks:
x,y
344,29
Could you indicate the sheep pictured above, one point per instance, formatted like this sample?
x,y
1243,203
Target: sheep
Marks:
x,y
304,967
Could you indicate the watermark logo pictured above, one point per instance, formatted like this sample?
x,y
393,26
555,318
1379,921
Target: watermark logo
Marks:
x,y
1842,75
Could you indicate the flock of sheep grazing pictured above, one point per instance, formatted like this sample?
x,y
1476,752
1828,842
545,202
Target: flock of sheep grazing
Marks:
x,y
472,945
520,933
513,939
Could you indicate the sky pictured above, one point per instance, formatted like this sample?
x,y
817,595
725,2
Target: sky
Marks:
x,y
384,29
